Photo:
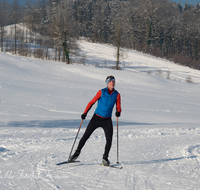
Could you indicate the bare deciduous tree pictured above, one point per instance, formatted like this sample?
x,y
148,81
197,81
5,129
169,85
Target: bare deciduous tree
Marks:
x,y
2,21
16,18
62,28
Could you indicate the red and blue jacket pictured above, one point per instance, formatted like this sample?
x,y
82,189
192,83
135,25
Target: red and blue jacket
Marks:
x,y
106,101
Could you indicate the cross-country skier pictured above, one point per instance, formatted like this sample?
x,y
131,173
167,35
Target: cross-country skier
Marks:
x,y
107,98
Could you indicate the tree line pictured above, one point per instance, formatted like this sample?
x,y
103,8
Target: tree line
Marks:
x,y
158,27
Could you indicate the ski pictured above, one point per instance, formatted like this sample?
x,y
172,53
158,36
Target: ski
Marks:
x,y
113,166
67,162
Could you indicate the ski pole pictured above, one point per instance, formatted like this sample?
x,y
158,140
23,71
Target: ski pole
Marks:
x,y
117,144
75,140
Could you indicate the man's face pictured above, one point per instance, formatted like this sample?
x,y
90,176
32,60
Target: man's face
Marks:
x,y
111,85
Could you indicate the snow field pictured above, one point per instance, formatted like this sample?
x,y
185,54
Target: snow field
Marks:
x,y
152,159
41,104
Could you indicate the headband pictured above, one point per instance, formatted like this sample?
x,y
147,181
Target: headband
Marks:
x,y
110,79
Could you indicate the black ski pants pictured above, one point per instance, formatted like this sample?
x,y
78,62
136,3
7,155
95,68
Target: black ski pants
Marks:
x,y
95,122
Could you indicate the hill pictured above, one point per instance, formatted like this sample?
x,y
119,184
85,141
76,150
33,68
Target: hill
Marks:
x,y
41,104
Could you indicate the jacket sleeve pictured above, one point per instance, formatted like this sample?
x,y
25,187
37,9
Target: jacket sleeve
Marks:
x,y
90,104
118,103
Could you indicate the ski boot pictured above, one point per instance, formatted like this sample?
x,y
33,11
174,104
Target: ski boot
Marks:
x,y
74,156
105,160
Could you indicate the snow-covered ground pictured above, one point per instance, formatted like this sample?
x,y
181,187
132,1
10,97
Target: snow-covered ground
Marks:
x,y
41,104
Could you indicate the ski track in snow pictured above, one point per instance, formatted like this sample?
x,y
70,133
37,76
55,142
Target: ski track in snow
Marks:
x,y
40,108
146,165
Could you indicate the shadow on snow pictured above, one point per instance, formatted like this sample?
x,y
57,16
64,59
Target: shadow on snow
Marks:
x,y
73,123
158,161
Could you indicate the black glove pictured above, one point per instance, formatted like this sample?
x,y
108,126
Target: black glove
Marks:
x,y
83,116
117,114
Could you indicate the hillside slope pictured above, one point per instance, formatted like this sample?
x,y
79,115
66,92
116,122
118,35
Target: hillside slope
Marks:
x,y
41,104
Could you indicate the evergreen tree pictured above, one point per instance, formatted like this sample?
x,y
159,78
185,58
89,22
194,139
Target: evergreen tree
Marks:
x,y
197,7
186,7
180,7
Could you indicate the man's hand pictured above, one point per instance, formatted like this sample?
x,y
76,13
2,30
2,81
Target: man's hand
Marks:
x,y
83,116
117,114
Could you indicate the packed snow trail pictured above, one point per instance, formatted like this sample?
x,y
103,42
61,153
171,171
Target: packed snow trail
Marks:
x,y
152,159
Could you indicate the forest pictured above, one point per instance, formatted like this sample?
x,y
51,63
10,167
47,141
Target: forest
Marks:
x,y
161,28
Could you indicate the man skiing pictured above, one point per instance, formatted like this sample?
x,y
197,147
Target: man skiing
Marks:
x,y
107,98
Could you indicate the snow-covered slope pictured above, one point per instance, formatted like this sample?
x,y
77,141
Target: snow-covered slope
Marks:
x,y
101,55
41,104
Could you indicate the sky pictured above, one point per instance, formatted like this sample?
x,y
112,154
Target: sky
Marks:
x,y
21,2
194,2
